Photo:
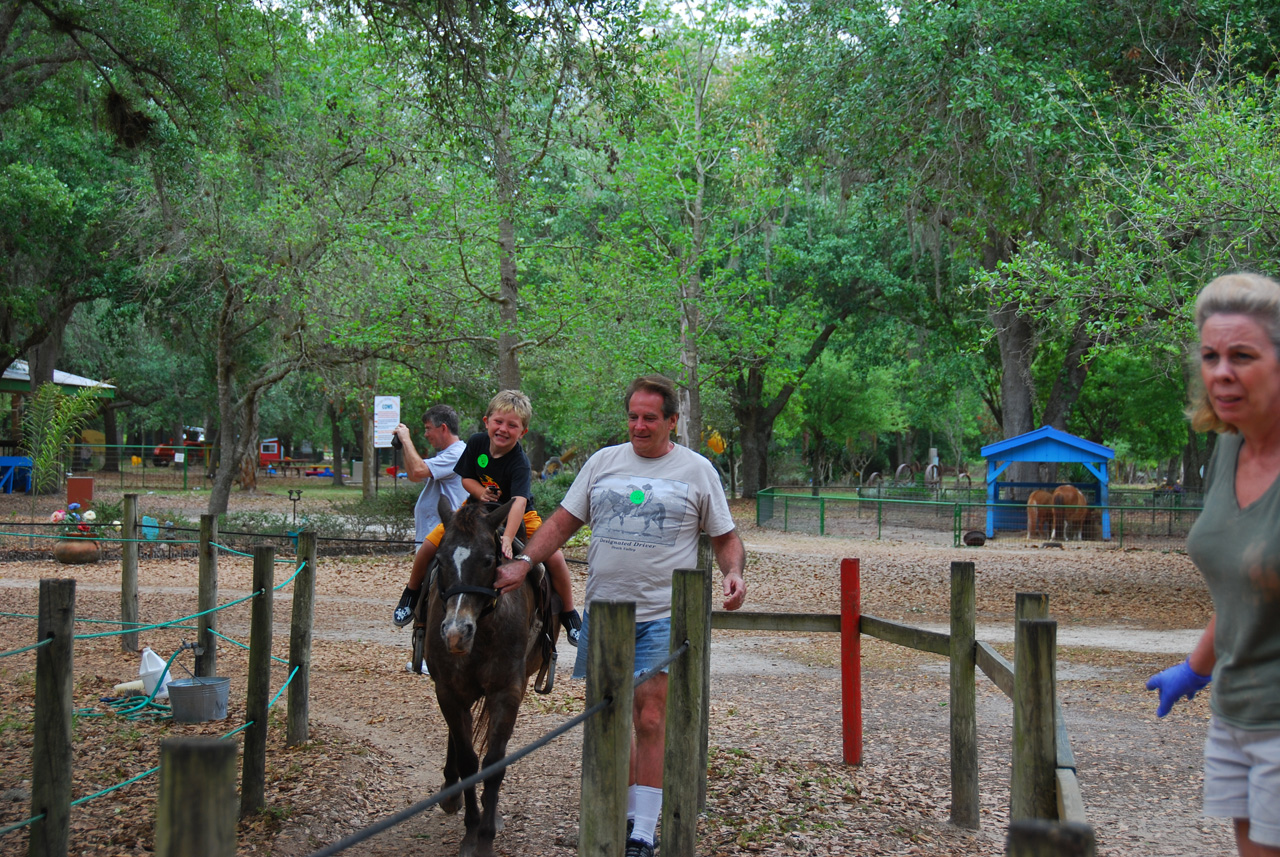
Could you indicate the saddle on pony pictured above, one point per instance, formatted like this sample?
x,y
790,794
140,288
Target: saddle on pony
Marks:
x,y
545,624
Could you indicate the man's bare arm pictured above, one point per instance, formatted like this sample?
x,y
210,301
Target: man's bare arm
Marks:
x,y
553,533
414,465
731,556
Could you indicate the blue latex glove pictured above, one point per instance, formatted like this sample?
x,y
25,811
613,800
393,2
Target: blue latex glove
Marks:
x,y
1175,683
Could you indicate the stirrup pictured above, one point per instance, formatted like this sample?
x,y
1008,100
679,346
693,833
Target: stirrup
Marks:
x,y
547,674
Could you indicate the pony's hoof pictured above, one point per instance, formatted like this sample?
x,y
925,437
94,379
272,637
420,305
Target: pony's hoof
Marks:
x,y
451,805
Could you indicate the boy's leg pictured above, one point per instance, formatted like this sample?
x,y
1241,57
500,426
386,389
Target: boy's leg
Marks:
x,y
558,568
403,614
560,581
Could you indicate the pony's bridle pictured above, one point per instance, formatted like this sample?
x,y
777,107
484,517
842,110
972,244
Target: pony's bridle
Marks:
x,y
466,589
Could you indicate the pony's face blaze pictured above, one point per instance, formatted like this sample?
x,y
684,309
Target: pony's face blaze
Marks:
x,y
468,561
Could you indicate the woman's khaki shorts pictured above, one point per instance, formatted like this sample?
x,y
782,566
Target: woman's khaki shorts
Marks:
x,y
1242,778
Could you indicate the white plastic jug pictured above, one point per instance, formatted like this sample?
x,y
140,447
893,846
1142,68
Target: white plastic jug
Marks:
x,y
153,672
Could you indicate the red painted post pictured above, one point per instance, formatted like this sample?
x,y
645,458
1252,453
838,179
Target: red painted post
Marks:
x,y
851,660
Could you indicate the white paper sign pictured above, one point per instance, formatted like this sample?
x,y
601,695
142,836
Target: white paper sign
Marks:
x,y
179,457
386,416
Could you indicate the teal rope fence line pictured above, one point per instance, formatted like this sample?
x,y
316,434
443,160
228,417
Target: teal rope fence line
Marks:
x,y
110,789
102,538
296,572
283,686
236,642
92,621
21,824
228,550
26,648
168,624
146,774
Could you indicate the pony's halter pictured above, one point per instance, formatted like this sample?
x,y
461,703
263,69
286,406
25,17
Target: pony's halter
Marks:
x,y
466,589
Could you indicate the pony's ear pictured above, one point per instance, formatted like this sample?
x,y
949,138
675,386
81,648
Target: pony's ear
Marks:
x,y
499,515
445,509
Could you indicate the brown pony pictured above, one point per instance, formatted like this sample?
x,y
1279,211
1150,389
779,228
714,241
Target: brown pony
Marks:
x,y
481,649
1069,507
1039,512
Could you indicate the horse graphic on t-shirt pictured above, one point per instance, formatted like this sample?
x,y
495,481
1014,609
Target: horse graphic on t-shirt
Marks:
x,y
620,505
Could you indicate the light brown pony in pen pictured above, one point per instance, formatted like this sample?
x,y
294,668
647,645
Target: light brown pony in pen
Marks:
x,y
1069,507
1039,512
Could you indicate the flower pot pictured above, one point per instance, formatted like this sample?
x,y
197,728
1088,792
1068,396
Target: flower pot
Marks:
x,y
76,551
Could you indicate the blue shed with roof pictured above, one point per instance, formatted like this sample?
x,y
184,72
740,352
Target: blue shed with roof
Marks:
x,y
1047,444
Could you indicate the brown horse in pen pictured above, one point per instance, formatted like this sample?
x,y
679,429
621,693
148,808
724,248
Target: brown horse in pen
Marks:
x,y
1039,513
1069,508
481,649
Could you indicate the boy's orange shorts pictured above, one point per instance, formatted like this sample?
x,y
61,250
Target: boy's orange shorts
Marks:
x,y
532,520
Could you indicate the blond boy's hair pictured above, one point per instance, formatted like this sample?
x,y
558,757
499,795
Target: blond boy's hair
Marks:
x,y
515,402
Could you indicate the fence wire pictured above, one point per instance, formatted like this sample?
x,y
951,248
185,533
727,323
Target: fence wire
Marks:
x,y
1162,523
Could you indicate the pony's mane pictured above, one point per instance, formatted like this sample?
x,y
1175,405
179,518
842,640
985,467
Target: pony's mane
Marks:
x,y
468,518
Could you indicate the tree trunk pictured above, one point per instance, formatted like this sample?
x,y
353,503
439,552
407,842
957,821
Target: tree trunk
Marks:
x,y
1070,381
365,381
43,358
111,452
756,417
1016,339
335,437
509,285
1194,457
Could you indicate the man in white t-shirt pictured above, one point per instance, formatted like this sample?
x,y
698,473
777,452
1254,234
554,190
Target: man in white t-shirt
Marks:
x,y
646,501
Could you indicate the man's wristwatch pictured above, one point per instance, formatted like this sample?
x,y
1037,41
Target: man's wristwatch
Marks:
x,y
525,557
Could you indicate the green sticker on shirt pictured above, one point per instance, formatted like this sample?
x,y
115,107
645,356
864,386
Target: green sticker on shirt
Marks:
x,y
483,460
637,496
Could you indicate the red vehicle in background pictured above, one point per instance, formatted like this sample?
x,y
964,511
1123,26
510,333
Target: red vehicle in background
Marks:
x,y
193,446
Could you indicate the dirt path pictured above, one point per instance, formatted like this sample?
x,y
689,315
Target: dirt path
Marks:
x,y
777,784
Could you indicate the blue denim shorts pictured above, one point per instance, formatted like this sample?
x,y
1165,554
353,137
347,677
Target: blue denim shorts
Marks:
x,y
653,644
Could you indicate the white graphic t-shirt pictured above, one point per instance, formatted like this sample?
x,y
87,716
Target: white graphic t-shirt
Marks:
x,y
645,516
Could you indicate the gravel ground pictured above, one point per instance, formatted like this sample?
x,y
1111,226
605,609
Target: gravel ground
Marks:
x,y
777,784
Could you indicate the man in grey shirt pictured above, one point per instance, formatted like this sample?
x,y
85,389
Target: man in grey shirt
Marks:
x,y
646,502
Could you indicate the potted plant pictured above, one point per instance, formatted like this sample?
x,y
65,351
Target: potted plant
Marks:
x,y
76,543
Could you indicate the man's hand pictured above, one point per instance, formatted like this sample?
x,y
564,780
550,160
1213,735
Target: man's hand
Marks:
x,y
735,590
511,576
1175,683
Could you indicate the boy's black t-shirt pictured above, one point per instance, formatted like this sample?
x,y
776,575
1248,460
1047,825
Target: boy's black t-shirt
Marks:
x,y
509,474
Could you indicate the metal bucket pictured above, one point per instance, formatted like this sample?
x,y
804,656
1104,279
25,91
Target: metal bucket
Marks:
x,y
195,700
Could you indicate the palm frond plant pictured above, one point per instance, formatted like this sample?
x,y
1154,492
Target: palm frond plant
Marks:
x,y
50,422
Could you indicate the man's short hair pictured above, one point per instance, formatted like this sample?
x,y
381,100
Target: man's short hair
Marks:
x,y
515,402
654,384
443,415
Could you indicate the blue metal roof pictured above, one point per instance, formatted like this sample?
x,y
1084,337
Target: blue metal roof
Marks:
x,y
1047,444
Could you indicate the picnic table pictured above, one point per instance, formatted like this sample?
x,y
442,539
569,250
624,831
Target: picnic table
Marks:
x,y
284,465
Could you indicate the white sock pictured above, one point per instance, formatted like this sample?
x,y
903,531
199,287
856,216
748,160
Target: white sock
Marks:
x,y
631,802
648,808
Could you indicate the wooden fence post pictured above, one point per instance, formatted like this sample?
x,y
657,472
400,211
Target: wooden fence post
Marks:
x,y
706,558
51,738
1039,838
253,780
207,599
300,625
1030,605
964,694
196,808
606,738
684,771
1033,787
129,573
851,659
